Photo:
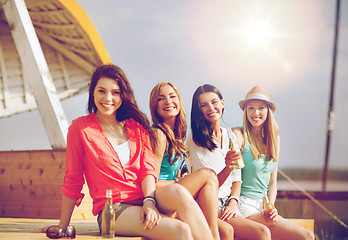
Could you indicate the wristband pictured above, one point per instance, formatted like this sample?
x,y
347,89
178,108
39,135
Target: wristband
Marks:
x,y
233,197
151,198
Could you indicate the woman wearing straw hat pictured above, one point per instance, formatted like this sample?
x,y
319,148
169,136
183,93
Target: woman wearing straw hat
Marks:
x,y
260,142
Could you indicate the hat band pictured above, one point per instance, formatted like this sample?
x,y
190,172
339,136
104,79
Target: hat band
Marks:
x,y
257,96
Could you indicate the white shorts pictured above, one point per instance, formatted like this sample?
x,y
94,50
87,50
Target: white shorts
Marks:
x,y
249,206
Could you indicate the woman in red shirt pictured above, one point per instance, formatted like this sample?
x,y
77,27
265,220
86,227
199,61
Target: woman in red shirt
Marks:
x,y
111,149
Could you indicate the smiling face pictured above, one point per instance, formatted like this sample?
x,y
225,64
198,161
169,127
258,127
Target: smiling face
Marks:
x,y
107,96
168,103
257,112
211,106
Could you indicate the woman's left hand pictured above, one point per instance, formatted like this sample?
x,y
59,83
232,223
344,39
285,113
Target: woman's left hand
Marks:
x,y
150,215
229,211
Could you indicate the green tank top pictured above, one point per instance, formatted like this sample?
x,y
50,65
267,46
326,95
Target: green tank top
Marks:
x,y
169,171
256,173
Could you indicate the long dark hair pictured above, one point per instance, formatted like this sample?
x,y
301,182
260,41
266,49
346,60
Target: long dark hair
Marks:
x,y
201,128
177,137
129,107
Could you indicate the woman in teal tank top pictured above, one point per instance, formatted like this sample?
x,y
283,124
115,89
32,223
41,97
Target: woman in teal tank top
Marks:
x,y
260,142
169,121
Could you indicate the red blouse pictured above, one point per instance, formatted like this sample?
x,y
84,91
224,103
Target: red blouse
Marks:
x,y
90,155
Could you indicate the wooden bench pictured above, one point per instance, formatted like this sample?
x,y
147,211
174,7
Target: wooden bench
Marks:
x,y
28,228
306,223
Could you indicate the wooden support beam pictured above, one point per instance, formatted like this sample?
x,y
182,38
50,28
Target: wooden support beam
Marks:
x,y
64,70
36,68
5,90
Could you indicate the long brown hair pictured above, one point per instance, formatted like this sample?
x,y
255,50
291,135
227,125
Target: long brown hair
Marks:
x,y
270,132
129,107
177,137
202,130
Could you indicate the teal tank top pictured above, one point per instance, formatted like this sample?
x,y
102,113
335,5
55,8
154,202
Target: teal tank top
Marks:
x,y
256,173
169,171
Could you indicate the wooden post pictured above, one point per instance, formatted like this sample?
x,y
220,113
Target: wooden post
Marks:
x,y
331,114
36,68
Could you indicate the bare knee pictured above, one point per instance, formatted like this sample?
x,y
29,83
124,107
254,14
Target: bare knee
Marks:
x,y
260,232
308,235
226,232
182,231
209,175
180,194
263,232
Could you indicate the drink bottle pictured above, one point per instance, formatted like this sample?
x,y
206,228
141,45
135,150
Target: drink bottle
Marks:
x,y
267,207
108,217
233,146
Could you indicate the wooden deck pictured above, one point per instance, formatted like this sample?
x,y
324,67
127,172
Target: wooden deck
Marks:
x,y
29,229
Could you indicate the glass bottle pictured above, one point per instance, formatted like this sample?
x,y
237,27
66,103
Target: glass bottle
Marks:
x,y
267,207
108,217
233,146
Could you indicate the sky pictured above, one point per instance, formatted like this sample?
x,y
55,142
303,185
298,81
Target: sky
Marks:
x,y
284,46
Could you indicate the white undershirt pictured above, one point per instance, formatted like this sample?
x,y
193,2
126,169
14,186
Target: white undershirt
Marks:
x,y
123,152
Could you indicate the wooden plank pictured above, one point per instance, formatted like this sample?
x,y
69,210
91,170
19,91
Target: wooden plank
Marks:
x,y
30,209
65,71
32,159
36,176
30,192
306,223
78,60
4,78
41,83
27,228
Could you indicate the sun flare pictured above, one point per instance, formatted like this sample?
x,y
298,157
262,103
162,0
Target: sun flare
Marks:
x,y
258,34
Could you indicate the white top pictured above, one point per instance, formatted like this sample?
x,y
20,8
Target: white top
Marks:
x,y
123,152
200,157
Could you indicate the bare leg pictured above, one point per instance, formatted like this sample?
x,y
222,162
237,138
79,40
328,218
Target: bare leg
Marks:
x,y
203,186
285,229
128,224
226,230
248,229
175,198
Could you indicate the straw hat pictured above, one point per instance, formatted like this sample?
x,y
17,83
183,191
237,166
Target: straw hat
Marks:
x,y
258,93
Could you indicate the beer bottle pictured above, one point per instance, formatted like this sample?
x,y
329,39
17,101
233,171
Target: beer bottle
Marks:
x,y
267,207
108,217
233,146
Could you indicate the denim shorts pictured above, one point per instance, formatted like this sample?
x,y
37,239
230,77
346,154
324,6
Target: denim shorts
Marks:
x,y
249,206
223,202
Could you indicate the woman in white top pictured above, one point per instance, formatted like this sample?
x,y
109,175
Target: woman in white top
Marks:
x,y
209,147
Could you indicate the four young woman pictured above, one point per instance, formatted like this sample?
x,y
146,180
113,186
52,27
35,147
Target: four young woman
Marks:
x,y
114,147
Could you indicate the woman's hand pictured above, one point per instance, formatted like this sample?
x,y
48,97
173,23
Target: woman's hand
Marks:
x,y
232,158
229,211
274,214
150,215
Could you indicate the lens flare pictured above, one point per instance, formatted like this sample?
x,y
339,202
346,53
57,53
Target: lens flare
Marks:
x,y
258,34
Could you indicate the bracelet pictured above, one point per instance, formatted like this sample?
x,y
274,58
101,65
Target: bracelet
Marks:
x,y
151,198
233,197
